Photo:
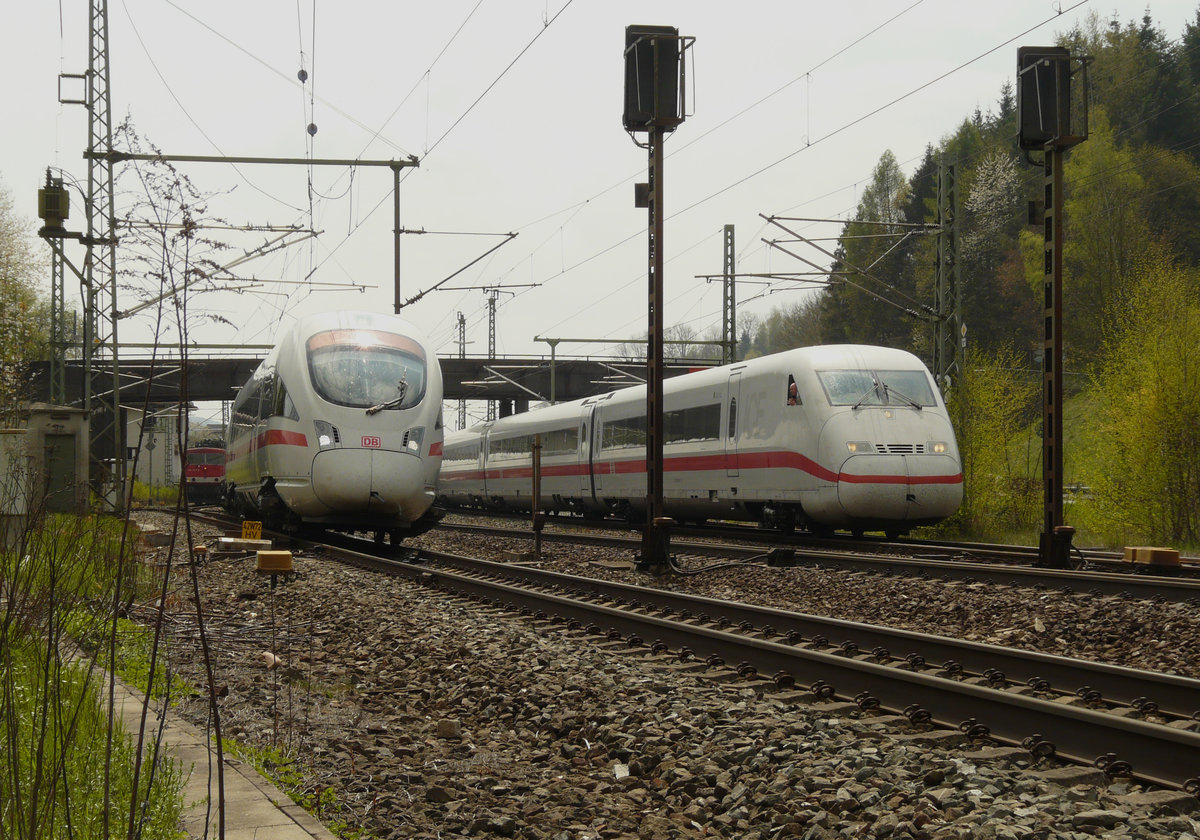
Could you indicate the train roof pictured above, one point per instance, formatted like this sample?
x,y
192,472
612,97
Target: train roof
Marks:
x,y
795,361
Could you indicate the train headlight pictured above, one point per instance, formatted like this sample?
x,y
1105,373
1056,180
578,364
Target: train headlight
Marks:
x,y
327,435
413,438
939,447
858,447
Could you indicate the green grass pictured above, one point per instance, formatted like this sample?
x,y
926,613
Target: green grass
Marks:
x,y
133,649
58,739
282,769
1081,462
157,495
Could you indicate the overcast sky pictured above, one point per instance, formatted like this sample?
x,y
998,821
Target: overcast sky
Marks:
x,y
514,109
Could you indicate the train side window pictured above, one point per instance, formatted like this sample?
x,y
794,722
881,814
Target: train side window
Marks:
x,y
793,393
254,403
289,407
283,405
732,418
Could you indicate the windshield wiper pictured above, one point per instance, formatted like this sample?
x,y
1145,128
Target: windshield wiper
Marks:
x,y
888,391
866,394
402,387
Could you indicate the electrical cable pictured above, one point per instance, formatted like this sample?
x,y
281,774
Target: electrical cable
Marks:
x,y
137,34
424,76
545,26
291,80
408,171
809,144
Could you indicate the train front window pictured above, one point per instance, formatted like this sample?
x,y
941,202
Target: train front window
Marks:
x,y
877,387
850,387
906,387
367,368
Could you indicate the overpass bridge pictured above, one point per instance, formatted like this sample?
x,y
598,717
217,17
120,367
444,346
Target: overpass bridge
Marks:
x,y
522,380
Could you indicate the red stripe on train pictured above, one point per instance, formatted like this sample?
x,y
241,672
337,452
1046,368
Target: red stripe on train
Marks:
x,y
271,437
709,463
280,437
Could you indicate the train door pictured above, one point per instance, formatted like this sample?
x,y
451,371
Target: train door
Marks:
x,y
484,439
585,453
732,400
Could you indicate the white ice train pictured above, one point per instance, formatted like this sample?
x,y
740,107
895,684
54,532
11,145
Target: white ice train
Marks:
x,y
834,437
340,427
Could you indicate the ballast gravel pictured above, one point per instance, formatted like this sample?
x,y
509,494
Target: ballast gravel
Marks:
x,y
398,711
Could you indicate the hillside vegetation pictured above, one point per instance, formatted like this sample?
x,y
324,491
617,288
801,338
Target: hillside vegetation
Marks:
x,y
1131,290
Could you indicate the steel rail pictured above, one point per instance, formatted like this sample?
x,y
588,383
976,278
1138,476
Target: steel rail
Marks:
x,y
1103,583
1159,754
1173,694
950,549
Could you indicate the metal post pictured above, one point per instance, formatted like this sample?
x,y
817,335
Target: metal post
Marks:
x,y
462,354
655,542
102,399
948,294
553,380
397,304
1055,541
536,518
729,304
58,339
493,294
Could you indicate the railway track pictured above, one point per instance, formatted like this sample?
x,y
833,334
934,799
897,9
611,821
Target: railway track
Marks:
x,y
958,550
1126,721
1097,715
1148,587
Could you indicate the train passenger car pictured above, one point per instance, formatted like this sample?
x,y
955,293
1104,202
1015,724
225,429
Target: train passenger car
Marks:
x,y
204,473
841,436
340,427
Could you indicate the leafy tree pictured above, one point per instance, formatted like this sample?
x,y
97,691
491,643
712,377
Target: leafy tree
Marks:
x,y
747,326
1146,469
991,405
1143,80
24,311
1171,201
1003,124
1105,231
875,287
1189,47
997,304
691,348
791,325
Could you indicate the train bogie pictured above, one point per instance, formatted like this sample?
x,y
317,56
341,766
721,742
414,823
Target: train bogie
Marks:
x,y
843,436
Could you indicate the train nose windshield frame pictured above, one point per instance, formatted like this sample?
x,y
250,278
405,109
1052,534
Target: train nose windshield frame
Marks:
x,y
365,376
860,388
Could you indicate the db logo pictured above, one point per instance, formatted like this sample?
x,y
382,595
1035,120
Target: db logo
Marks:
x,y
371,442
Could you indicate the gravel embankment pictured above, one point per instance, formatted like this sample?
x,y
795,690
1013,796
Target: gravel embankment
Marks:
x,y
1130,632
432,717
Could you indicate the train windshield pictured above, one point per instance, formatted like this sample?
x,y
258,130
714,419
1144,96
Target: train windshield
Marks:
x,y
367,368
877,387
206,459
